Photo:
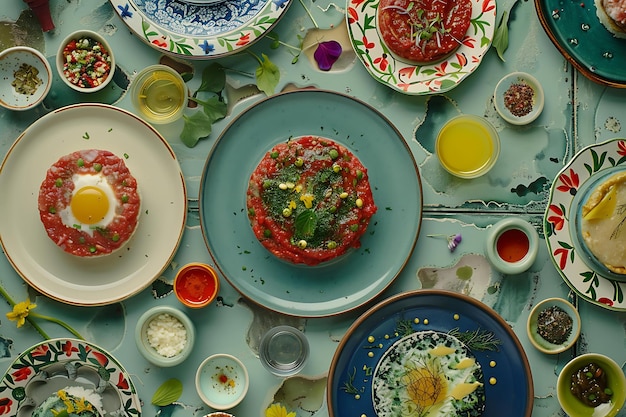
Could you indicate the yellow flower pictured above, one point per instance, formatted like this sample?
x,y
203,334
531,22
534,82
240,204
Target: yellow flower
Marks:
x,y
292,205
277,410
307,199
20,312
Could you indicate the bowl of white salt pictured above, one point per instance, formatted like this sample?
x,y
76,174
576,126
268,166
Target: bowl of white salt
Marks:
x,y
165,336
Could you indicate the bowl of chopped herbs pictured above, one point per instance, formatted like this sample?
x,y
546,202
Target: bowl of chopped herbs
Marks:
x,y
26,78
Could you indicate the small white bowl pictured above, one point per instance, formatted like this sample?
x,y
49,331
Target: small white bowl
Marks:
x,y
149,351
616,381
222,381
60,60
11,61
537,100
512,245
538,341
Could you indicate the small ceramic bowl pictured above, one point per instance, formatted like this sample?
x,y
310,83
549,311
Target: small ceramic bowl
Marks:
x,y
512,245
105,60
196,285
518,111
533,325
165,336
222,381
467,146
25,76
615,380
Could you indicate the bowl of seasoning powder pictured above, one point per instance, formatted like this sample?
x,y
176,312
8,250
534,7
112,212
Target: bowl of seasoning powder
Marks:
x,y
553,325
519,98
26,78
165,336
85,61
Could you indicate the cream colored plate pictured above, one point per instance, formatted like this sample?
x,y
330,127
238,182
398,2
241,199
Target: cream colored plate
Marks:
x,y
152,162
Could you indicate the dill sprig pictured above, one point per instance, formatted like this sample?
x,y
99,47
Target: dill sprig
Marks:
x,y
477,339
404,328
348,386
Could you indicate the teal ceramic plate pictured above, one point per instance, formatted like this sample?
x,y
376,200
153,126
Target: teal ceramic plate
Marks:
x,y
577,33
38,372
386,246
504,364
591,283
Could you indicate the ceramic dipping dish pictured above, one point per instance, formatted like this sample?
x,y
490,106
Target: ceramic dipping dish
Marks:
x,y
222,381
26,78
549,315
519,98
196,285
512,245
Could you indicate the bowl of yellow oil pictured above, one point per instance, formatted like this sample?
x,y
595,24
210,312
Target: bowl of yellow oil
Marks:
x,y
159,94
467,146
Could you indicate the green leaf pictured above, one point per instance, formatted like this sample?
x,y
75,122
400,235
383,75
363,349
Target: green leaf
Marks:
x,y
168,392
306,222
197,126
501,36
213,79
213,107
267,76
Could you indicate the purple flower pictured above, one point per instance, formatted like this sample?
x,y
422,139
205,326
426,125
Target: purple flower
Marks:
x,y
453,240
326,54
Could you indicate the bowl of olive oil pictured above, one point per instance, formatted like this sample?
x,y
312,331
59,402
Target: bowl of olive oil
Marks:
x,y
159,94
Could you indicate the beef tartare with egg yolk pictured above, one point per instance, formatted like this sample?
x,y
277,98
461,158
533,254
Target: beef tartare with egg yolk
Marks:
x,y
309,200
89,203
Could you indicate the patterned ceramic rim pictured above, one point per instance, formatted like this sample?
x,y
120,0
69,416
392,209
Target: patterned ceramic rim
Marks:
x,y
414,79
200,47
587,283
35,359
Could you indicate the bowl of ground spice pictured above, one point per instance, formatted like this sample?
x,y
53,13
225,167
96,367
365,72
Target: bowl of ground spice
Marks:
x,y
553,325
26,77
165,336
518,98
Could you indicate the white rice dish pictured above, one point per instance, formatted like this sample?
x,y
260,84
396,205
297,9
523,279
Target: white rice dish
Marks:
x,y
428,374
167,335
76,401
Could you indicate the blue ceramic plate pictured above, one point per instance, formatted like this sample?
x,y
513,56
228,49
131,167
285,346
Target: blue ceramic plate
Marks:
x,y
207,29
349,389
386,246
581,38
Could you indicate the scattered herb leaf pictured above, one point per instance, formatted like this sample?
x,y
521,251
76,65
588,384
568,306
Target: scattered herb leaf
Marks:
x,y
267,75
196,126
501,36
306,223
168,392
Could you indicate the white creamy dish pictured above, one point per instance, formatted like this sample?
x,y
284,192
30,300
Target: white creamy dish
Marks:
x,y
428,374
604,223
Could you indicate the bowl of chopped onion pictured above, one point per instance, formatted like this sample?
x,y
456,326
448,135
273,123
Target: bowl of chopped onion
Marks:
x,y
85,61
26,78
165,336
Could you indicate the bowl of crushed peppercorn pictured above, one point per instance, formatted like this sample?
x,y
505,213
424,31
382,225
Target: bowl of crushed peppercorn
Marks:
x,y
165,336
85,61
553,325
518,98
26,78
591,385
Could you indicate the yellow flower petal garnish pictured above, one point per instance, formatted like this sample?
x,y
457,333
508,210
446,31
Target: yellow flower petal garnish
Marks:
x,y
307,199
20,312
277,410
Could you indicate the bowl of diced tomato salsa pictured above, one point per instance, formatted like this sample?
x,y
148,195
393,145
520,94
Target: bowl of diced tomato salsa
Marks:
x,y
85,61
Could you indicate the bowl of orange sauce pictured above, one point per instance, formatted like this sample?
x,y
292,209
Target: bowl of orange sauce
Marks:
x,y
512,245
467,146
196,285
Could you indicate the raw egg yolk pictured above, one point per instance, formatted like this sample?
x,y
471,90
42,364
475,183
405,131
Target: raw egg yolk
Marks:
x,y
89,204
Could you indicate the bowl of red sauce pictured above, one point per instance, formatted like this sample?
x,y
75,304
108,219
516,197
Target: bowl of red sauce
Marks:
x,y
85,61
196,285
512,245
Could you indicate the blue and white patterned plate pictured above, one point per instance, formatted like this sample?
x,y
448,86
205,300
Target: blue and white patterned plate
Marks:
x,y
200,30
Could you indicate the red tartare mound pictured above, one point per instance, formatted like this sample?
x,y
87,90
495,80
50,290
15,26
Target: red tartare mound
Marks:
x,y
309,200
423,31
89,203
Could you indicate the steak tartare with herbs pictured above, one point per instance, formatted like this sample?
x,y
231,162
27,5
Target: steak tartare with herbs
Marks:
x,y
309,200
89,203
423,31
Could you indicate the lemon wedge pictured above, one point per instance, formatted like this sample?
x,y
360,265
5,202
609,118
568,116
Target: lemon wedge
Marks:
x,y
605,207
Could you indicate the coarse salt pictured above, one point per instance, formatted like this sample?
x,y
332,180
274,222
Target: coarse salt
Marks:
x,y
167,335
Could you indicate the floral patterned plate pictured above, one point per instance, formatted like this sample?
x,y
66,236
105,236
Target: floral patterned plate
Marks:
x,y
201,31
583,171
45,368
415,79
